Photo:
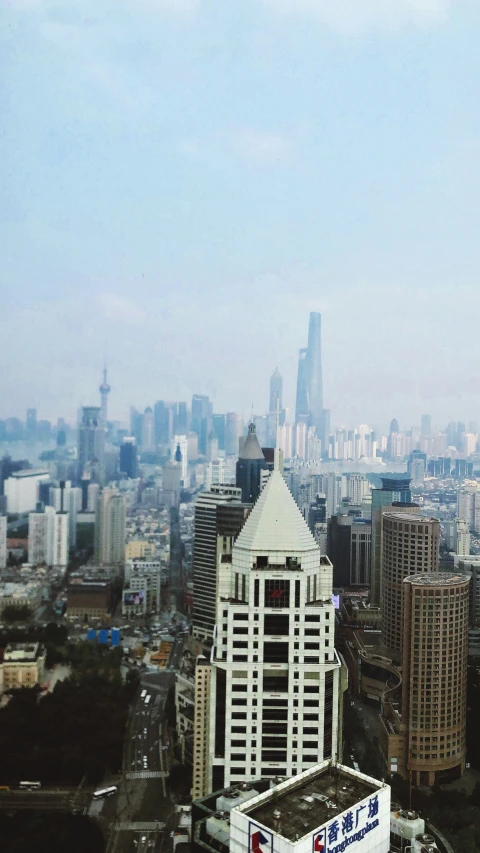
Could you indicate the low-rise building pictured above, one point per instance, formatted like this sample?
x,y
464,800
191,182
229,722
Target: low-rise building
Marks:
x,y
17,594
23,665
139,549
328,807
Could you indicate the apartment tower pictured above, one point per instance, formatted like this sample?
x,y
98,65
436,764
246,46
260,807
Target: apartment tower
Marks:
x,y
434,698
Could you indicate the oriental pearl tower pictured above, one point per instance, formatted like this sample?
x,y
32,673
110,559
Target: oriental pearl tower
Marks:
x,y
104,392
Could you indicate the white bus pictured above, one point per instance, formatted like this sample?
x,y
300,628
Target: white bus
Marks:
x,y
30,786
147,700
105,792
143,694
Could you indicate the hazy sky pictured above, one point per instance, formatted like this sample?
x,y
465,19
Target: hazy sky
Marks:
x,y
182,181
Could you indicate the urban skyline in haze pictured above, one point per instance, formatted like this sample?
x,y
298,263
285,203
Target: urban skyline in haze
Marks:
x,y
184,184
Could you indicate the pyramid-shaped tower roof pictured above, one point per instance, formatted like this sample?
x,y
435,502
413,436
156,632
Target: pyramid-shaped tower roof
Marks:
x,y
275,522
251,448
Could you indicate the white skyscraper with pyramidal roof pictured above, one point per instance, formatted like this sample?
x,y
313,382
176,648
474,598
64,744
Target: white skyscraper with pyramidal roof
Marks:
x,y
272,704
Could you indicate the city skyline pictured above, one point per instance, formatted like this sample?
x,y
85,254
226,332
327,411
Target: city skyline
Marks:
x,y
265,172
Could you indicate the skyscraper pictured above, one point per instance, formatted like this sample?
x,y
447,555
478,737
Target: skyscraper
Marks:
x,y
276,387
233,433
309,402
91,444
394,490
163,420
128,457
426,428
219,513
251,462
48,537
434,677
148,431
3,541
410,543
110,527
31,424
104,392
275,673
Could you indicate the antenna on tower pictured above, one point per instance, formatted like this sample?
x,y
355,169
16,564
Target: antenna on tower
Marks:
x,y
251,419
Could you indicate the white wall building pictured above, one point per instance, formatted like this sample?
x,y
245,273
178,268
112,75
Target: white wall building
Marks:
x,y
273,705
3,541
141,593
462,538
182,442
327,809
48,537
21,490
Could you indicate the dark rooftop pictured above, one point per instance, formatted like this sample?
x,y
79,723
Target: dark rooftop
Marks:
x,y
312,802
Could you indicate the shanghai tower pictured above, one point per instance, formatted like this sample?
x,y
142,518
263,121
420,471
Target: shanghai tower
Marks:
x,y
309,404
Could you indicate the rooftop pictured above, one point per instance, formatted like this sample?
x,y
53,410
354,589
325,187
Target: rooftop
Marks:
x,y
275,522
438,579
32,472
310,800
413,517
251,448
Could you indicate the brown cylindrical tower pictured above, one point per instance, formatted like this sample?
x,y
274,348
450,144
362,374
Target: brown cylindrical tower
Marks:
x,y
434,697
410,545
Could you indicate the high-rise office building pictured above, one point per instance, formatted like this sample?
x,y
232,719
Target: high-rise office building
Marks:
x,y
251,462
104,392
426,427
179,454
128,457
163,422
110,527
201,420
212,446
91,444
410,543
3,541
219,517
31,424
434,676
394,490
276,388
348,547
309,402
275,673
218,422
148,431
233,433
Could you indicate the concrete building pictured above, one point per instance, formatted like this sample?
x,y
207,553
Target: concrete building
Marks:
x,y
251,462
328,807
91,444
141,591
348,547
128,457
275,672
276,389
233,433
219,517
462,538
410,544
148,431
89,599
203,672
393,491
179,452
23,665
21,489
110,527
357,488
104,392
139,549
3,541
434,695
27,594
